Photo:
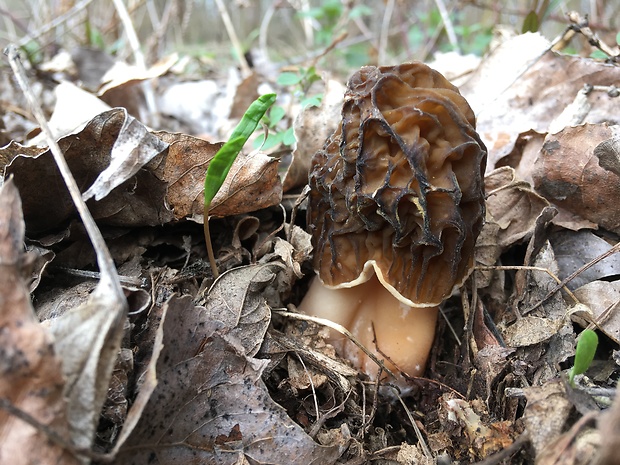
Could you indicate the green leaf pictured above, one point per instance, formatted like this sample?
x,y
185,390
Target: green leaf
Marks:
x,y
222,161
312,101
289,79
273,140
288,137
530,23
618,38
360,10
275,115
598,55
584,353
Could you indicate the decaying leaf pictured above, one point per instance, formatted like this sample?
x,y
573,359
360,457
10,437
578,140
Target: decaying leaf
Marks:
x,y
568,174
466,425
531,330
236,300
529,88
574,249
87,339
30,372
546,413
211,406
138,201
252,183
513,205
601,299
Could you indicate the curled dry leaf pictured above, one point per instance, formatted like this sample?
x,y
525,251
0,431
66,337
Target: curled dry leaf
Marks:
x,y
133,148
608,154
31,378
211,406
513,205
601,299
138,201
568,174
88,339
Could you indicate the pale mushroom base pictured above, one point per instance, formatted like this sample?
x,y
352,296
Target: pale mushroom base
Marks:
x,y
403,334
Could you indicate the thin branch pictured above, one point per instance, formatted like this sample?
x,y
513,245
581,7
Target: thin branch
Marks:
x,y
245,68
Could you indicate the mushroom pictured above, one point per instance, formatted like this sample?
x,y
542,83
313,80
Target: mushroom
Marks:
x,y
396,204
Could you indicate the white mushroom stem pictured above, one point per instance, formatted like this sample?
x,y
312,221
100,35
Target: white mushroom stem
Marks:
x,y
403,333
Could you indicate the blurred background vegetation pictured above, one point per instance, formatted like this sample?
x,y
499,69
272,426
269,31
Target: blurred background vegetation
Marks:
x,y
334,34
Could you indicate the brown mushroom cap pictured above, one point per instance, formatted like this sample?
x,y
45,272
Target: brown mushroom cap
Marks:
x,y
397,190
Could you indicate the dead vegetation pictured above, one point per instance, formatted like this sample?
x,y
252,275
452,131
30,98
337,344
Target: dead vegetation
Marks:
x,y
185,368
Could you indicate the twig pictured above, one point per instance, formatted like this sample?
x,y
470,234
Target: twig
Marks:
x,y
581,25
418,433
385,26
109,276
561,284
55,23
132,37
245,68
447,23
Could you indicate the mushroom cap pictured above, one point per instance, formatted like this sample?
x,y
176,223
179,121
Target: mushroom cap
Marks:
x,y
398,189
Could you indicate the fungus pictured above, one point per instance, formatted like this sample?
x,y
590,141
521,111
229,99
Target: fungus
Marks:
x,y
396,204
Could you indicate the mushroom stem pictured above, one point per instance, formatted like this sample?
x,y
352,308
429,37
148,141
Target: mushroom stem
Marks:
x,y
402,333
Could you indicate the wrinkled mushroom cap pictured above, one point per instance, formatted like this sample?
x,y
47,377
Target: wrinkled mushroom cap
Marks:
x,y
398,188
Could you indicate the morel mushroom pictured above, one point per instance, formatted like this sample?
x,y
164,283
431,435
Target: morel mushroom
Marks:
x,y
396,204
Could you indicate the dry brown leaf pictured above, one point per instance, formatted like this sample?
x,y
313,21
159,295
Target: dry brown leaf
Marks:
x,y
138,201
513,205
31,378
601,299
609,425
574,249
236,300
252,183
546,413
88,339
211,406
531,330
567,173
522,92
133,148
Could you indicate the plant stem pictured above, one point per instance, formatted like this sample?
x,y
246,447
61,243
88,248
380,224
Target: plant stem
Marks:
x,y
214,269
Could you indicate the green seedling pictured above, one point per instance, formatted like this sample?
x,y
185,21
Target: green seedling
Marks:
x,y
222,161
278,133
584,354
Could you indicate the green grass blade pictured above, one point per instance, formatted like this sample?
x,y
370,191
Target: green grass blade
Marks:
x,y
222,161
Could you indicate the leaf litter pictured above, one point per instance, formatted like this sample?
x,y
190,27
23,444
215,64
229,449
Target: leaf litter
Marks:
x,y
215,371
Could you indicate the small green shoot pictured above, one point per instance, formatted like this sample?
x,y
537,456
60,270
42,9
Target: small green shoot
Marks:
x,y
222,161
584,354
